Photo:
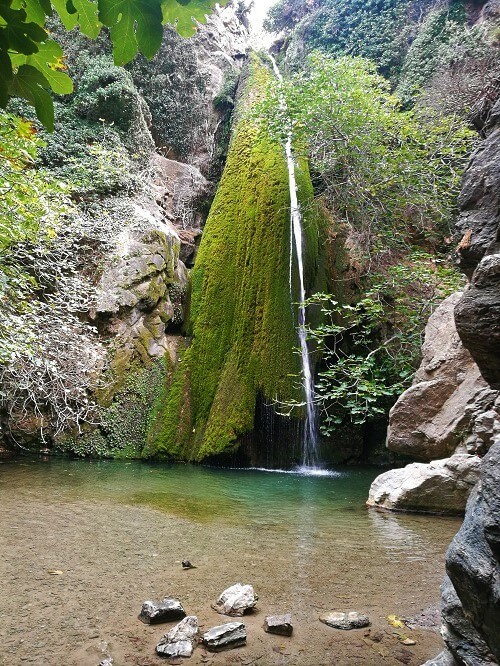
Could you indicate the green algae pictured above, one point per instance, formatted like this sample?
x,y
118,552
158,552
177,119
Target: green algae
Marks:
x,y
242,323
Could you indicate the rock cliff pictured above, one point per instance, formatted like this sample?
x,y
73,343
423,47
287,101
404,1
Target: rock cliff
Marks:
x,y
448,411
144,149
471,594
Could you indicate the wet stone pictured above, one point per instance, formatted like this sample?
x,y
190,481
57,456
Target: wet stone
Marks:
x,y
236,600
340,620
180,640
279,624
168,610
225,637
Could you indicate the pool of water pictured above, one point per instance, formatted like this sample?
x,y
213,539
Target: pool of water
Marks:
x,y
118,531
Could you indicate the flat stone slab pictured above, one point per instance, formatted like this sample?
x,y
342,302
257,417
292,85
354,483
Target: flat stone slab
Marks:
x,y
225,637
167,610
279,624
236,600
341,620
180,640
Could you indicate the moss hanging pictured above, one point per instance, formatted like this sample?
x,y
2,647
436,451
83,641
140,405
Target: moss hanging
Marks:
x,y
242,322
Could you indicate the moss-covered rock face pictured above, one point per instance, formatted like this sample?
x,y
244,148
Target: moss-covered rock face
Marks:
x,y
242,321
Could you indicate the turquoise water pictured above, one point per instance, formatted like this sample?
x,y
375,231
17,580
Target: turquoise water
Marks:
x,y
198,493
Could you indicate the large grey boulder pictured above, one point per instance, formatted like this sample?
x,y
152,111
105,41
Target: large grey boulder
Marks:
x,y
464,643
473,558
438,413
441,486
477,315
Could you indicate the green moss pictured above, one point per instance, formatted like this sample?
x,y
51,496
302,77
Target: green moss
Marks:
x,y
242,323
126,420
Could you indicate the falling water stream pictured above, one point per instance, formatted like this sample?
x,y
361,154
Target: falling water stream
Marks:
x,y
310,437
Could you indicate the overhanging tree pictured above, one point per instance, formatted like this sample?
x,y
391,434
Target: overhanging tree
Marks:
x,y
32,64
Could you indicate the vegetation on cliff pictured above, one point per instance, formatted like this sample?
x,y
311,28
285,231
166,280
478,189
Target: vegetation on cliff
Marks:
x,y
389,179
243,324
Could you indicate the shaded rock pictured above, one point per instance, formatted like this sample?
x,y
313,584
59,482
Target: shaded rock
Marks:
x,y
168,610
477,315
473,565
477,318
225,637
236,600
462,639
279,624
441,486
180,640
340,620
479,199
438,413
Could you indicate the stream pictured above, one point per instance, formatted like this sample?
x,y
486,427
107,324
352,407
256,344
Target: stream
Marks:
x,y
116,532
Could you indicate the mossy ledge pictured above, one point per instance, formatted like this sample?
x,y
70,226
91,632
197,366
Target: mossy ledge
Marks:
x,y
242,322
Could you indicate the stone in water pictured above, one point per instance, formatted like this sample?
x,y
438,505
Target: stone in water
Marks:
x,y
340,620
236,600
225,637
180,640
154,612
279,624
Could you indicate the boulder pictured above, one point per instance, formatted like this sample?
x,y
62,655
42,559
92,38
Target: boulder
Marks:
x,y
464,643
438,413
477,315
180,640
236,600
473,559
225,637
349,620
279,624
441,486
167,610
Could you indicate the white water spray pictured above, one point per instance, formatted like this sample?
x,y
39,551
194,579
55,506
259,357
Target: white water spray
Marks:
x,y
310,439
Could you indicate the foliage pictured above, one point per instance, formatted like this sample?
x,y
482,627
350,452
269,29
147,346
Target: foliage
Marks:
x,y
243,325
102,144
423,55
26,195
390,176
173,88
371,349
466,80
31,62
380,31
48,356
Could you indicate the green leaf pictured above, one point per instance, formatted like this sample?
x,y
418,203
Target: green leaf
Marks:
x,y
6,75
69,20
184,15
47,60
87,17
30,84
133,24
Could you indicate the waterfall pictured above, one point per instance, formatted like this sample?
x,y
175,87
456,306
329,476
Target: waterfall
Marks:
x,y
310,437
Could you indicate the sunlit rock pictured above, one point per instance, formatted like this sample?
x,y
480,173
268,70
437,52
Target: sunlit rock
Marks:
x,y
236,600
279,624
349,620
225,637
180,640
441,486
167,610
